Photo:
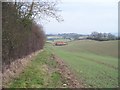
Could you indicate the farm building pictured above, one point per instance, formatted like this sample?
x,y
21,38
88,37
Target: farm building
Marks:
x,y
60,43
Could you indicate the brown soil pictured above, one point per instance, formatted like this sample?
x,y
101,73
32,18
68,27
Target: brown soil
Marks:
x,y
16,67
70,77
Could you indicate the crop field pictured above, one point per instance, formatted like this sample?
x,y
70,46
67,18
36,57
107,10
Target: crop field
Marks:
x,y
95,63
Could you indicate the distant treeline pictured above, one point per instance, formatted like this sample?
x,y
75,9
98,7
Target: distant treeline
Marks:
x,y
20,34
73,36
102,36
94,36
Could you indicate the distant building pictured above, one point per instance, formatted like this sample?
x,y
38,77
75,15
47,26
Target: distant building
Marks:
x,y
60,43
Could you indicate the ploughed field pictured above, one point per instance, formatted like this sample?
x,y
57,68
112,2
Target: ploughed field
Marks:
x,y
95,63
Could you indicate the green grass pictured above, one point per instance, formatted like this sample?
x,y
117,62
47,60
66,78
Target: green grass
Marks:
x,y
59,39
95,63
39,74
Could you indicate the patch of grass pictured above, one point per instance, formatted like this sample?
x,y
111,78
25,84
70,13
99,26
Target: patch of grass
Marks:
x,y
37,74
55,77
86,58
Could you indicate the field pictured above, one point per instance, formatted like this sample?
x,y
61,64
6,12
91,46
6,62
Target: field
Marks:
x,y
56,38
95,63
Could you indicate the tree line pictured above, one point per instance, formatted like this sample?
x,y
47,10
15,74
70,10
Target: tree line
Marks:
x,y
102,36
21,35
93,36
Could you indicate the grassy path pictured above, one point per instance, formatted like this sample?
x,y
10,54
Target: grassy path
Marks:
x,y
46,71
40,73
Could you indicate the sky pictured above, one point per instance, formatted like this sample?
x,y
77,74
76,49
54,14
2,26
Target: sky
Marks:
x,y
85,16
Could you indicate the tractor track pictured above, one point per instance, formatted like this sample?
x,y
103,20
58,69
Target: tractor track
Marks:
x,y
70,77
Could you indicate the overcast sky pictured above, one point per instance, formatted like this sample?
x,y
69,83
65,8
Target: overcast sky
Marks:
x,y
85,16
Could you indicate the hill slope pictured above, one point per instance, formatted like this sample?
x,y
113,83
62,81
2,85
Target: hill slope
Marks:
x,y
95,63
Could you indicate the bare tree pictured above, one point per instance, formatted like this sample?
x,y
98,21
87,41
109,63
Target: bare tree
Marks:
x,y
40,9
21,35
